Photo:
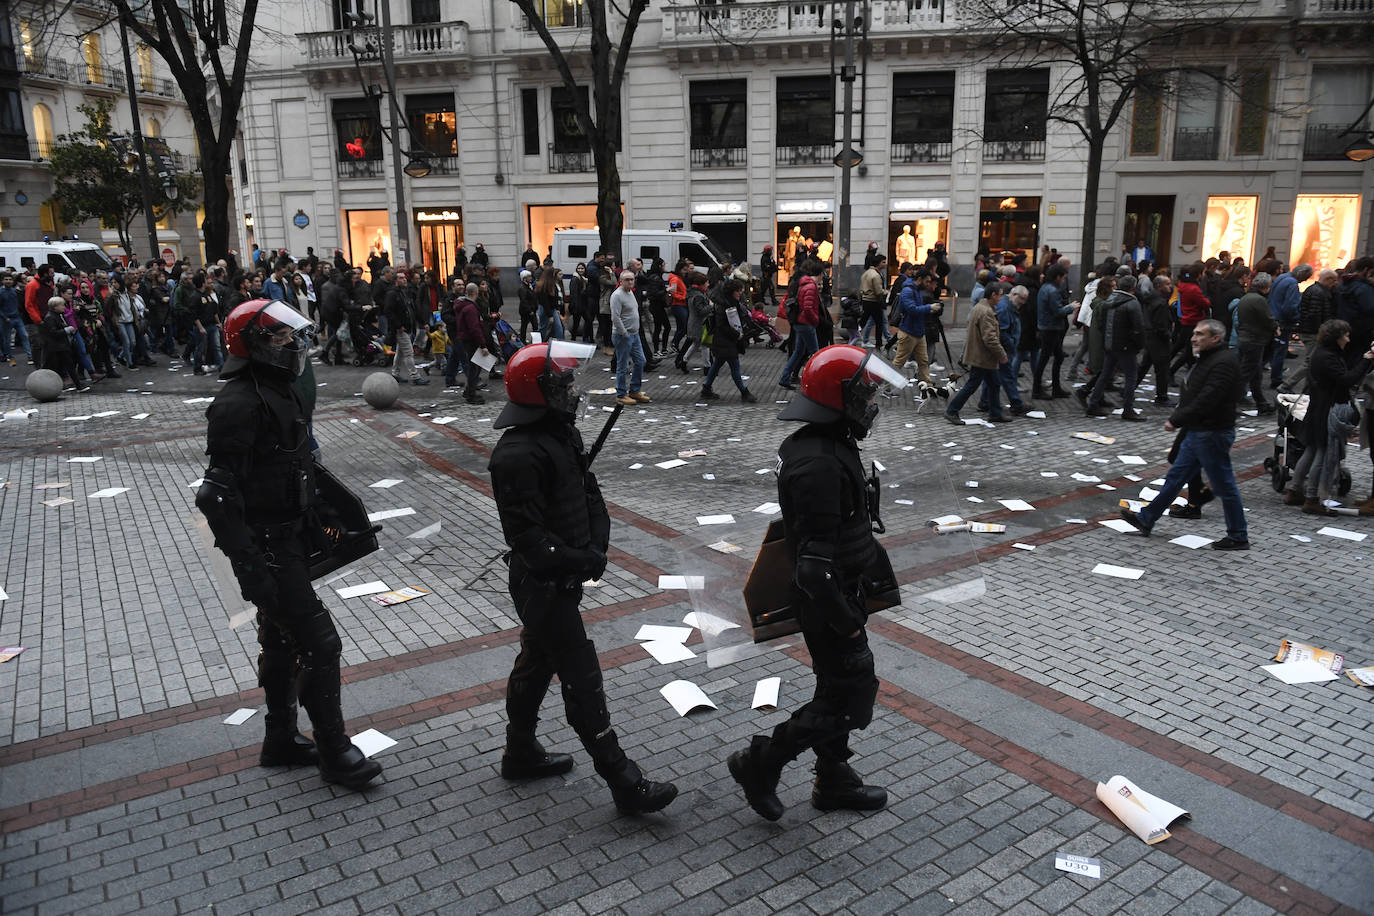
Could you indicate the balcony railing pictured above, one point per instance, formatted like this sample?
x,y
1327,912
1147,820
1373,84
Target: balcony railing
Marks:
x,y
15,146
45,68
429,40
923,151
358,168
1013,150
102,77
562,163
802,21
40,150
443,165
1326,141
805,155
1195,143
1345,6
557,14
721,157
150,85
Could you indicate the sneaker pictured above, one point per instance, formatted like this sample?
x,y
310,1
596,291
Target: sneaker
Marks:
x,y
640,397
1000,418
953,418
1130,416
1097,412
1230,543
1135,521
1193,512
88,388
627,401
419,381
199,371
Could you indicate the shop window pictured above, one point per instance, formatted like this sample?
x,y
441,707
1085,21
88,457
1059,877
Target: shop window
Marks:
x,y
342,10
1010,224
1338,95
434,126
357,129
90,50
1253,117
719,110
1325,228
1230,227
1199,109
806,120
529,111
42,130
1015,106
922,116
424,11
1145,120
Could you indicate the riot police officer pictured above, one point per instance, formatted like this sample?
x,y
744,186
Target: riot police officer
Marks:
x,y
257,495
825,507
558,530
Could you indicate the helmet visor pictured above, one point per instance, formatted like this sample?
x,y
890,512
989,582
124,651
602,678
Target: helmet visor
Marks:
x,y
860,391
278,336
556,381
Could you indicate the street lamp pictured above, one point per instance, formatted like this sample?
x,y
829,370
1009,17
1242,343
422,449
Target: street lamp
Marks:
x,y
1361,149
417,165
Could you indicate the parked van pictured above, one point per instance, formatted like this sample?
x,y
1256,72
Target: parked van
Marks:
x,y
574,246
66,257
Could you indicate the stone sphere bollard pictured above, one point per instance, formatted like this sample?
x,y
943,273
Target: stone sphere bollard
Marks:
x,y
44,385
381,390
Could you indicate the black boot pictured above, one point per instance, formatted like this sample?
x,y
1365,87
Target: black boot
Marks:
x,y
525,758
757,771
747,397
839,787
284,745
278,673
632,793
708,395
340,762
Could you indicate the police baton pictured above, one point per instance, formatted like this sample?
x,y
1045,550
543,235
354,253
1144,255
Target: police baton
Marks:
x,y
605,431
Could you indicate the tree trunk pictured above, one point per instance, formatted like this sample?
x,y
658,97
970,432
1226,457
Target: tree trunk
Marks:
x,y
216,200
1093,180
608,215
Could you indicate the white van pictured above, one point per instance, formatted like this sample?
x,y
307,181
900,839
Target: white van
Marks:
x,y
65,257
574,246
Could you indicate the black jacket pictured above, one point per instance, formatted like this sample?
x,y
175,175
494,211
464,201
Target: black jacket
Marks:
x,y
1315,307
1209,398
1331,381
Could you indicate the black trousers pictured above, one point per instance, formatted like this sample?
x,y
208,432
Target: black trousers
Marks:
x,y
846,688
1051,350
1157,354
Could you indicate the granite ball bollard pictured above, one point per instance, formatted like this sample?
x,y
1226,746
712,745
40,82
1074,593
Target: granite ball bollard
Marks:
x,y
381,390
44,385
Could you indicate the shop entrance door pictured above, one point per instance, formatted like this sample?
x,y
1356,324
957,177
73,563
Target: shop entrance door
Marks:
x,y
732,237
438,244
794,237
1150,217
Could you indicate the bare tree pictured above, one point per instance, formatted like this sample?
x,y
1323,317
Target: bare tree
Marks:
x,y
1104,54
209,65
599,119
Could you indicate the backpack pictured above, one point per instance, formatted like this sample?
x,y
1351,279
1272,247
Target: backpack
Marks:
x,y
894,304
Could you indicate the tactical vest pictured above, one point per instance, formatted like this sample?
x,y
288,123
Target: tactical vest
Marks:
x,y
562,496
855,547
278,483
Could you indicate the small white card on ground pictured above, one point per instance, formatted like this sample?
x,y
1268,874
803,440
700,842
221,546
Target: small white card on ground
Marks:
x,y
1036,414
372,742
1191,541
425,531
1016,505
1118,524
670,464
1130,459
367,588
766,693
1118,572
1301,672
1342,534
389,513
108,492
715,519
83,460
1078,865
140,416
239,716
666,651
386,484
656,633
1020,546
686,696
768,509
688,582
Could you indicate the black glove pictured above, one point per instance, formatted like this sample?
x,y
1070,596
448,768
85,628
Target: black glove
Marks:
x,y
256,582
598,564
587,563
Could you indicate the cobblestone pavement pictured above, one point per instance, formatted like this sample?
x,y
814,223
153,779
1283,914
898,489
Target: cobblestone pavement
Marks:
x,y
999,711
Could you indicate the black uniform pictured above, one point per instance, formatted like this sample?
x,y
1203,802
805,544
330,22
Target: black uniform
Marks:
x,y
555,521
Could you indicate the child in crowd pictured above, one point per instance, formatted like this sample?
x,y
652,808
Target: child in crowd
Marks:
x,y
438,343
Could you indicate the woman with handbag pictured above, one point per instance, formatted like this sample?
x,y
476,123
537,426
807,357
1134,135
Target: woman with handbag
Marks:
x,y
726,340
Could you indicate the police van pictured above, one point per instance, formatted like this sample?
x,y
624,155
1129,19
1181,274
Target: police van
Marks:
x,y
574,246
66,257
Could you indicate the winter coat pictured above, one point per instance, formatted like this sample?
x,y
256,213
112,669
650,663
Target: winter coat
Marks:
x,y
1051,312
698,311
809,302
725,331
983,350
1209,397
1192,304
1254,326
914,310
1315,308
1122,336
1329,383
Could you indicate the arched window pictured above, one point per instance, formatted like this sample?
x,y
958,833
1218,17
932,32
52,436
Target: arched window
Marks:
x,y
42,130
153,128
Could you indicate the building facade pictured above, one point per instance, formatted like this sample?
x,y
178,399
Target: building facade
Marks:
x,y
55,58
730,127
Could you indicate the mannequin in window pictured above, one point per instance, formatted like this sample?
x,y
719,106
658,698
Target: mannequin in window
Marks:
x,y
906,247
789,253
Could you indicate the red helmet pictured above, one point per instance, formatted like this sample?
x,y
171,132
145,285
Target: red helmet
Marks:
x,y
270,332
840,382
539,378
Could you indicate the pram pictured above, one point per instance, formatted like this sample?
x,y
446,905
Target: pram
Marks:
x,y
373,353
506,338
1291,411
756,326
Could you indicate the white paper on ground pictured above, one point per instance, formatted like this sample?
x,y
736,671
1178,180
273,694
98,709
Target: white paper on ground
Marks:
x,y
536,337
1303,672
636,466
764,471
389,513
83,460
724,546
108,492
1119,572
386,484
686,696
670,464
946,520
655,632
665,651
1130,459
715,519
239,716
708,476
972,499
1301,537
1010,448
1147,816
1191,541
367,588
1016,505
971,484
1085,478
766,693
904,502
140,416
1342,534
1019,546
1132,477
443,421
1036,414
1049,473
1078,865
105,413
1075,521
485,360
1118,524
425,531
372,741
687,582
768,509
4,595
708,623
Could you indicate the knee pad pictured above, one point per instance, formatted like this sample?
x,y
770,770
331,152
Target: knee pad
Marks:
x,y
319,641
580,673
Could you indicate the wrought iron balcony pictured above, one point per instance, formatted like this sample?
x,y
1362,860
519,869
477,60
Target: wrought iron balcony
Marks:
x,y
708,22
1326,141
1195,143
40,150
923,151
718,157
358,168
425,40
102,78
563,163
805,155
1025,150
443,165
16,147
42,67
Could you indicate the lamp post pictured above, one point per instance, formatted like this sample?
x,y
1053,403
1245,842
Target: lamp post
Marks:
x,y
848,157
143,185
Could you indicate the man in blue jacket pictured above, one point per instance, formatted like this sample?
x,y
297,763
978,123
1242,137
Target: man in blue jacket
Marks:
x,y
1052,321
911,331
1284,299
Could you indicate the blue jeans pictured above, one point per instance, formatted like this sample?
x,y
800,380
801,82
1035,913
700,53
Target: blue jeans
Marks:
x,y
804,344
1209,450
732,362
628,350
134,347
977,377
195,337
550,324
13,325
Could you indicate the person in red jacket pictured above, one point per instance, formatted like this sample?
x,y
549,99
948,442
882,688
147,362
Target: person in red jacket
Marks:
x,y
1193,306
37,292
804,341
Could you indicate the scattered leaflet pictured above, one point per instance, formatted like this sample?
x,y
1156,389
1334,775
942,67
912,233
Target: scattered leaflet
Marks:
x,y
686,697
400,595
239,716
1078,865
1362,676
1095,437
1147,817
766,693
1290,651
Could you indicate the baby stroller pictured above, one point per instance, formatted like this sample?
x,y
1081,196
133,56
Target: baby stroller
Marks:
x,y
373,353
1291,411
755,326
506,338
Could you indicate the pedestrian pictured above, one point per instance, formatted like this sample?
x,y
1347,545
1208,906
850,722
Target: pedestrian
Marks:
x,y
726,331
629,352
468,341
699,310
577,303
548,297
804,341
1158,320
1207,413
1052,323
656,292
917,285
57,343
607,283
1008,310
823,492
1314,309
1254,331
1192,308
37,292
555,522
13,334
1285,300
1123,334
256,496
873,296
768,274
529,305
983,354
399,328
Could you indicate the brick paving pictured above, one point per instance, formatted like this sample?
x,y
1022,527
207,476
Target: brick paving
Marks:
x,y
123,792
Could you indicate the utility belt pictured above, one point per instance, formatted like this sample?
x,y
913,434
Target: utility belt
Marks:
x,y
278,531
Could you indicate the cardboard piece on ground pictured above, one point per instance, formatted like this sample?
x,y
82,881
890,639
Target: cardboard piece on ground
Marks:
x,y
724,546
1145,815
1119,572
409,434
686,696
1078,865
1342,534
10,652
1095,437
1191,541
389,513
400,595
1301,672
372,741
239,716
666,651
59,501
59,486
367,588
1290,651
687,582
715,519
766,693
654,632
692,452
986,528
